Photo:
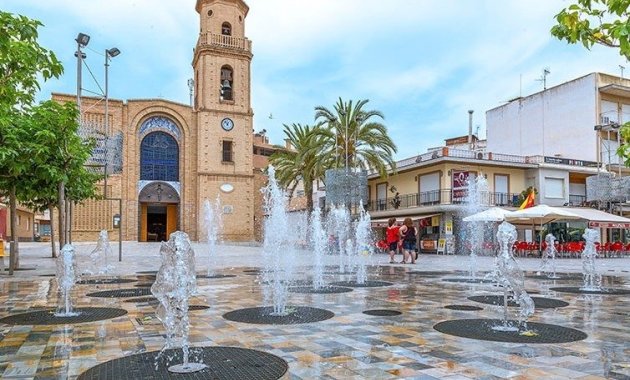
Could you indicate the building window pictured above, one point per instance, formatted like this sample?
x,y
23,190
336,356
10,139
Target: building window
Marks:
x,y
227,83
226,29
501,189
554,187
19,220
227,151
28,224
159,158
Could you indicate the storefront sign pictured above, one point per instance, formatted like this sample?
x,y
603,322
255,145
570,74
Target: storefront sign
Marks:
x,y
609,225
460,183
441,245
448,227
566,161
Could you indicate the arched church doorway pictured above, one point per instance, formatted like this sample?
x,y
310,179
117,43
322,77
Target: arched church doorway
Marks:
x,y
159,212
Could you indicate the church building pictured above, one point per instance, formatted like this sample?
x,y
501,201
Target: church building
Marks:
x,y
165,159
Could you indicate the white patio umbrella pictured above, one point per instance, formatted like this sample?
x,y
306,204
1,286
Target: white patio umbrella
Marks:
x,y
493,214
541,214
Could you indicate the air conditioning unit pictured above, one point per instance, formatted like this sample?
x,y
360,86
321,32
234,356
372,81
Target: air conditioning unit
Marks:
x,y
606,120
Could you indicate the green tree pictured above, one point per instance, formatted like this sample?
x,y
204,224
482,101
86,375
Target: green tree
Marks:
x,y
22,62
300,163
349,136
61,176
602,22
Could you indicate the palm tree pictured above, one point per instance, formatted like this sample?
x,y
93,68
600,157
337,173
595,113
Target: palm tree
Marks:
x,y
301,163
352,140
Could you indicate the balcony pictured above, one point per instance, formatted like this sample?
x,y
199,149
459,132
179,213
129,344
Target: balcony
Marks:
x,y
223,41
443,197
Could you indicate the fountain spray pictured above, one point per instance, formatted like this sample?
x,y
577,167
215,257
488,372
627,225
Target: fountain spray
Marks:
x,y
592,279
213,224
174,284
511,278
66,278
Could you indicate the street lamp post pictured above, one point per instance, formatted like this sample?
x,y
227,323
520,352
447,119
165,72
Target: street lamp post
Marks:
x,y
82,41
109,53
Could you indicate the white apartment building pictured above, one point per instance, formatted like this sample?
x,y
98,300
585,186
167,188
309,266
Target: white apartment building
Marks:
x,y
560,121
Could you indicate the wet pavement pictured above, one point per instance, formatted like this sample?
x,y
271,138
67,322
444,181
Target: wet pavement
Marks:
x,y
350,345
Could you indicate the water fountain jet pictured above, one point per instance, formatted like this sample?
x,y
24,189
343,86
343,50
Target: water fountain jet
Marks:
x,y
175,283
66,278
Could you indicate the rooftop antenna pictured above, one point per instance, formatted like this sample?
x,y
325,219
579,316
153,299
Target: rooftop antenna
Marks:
x,y
622,68
543,78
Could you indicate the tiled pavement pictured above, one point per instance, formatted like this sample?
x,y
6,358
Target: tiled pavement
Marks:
x,y
351,345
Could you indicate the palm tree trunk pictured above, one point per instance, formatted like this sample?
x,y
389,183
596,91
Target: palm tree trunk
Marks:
x,y
62,214
13,262
52,232
308,191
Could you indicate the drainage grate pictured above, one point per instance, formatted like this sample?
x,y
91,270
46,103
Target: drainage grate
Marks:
x,y
382,312
224,363
539,302
144,285
215,275
19,269
429,273
366,284
470,280
322,290
262,315
559,277
141,299
120,293
47,317
147,272
463,307
604,291
104,281
481,329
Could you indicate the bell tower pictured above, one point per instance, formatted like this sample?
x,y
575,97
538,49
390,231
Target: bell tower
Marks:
x,y
222,104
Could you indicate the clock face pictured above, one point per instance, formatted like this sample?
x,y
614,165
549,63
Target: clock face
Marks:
x,y
227,124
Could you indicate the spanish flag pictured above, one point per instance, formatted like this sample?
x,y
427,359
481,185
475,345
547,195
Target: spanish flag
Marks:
x,y
529,201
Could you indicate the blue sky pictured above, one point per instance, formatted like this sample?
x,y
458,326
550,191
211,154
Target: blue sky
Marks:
x,y
423,63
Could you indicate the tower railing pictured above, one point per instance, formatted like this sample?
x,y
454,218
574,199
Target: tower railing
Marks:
x,y
221,40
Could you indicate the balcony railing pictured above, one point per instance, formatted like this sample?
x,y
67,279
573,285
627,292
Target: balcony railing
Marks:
x,y
577,200
487,156
220,40
443,197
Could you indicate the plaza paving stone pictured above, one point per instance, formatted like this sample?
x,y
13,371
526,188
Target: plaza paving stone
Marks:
x,y
351,345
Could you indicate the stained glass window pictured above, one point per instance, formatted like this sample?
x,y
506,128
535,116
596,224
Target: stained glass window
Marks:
x,y
159,158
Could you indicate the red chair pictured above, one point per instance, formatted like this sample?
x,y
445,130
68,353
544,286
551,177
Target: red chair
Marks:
x,y
627,250
616,248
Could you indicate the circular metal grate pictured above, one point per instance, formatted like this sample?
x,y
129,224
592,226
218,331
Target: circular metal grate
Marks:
x,y
539,302
141,299
470,280
47,317
463,307
224,363
120,293
429,273
144,285
559,276
604,291
322,290
215,276
382,312
366,284
262,315
481,329
105,281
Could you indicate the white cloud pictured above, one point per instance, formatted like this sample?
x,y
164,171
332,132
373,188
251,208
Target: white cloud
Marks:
x,y
424,63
